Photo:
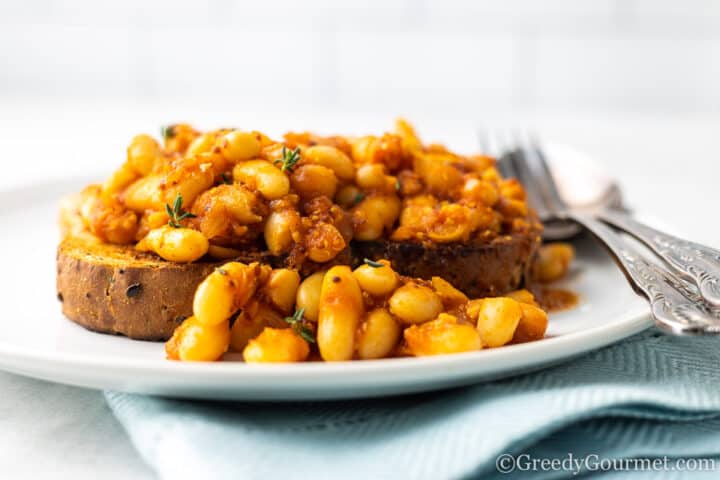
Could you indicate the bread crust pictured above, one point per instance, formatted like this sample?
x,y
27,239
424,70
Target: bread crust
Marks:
x,y
118,290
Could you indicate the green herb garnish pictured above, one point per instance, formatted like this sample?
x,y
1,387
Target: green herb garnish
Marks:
x,y
167,132
359,198
373,263
176,213
289,159
397,185
299,326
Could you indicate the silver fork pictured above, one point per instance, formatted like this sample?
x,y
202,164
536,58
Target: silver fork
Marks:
x,y
693,262
675,305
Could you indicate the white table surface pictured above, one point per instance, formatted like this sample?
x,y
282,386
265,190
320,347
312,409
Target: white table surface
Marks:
x,y
669,167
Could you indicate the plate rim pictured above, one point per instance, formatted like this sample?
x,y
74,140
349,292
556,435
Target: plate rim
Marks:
x,y
632,322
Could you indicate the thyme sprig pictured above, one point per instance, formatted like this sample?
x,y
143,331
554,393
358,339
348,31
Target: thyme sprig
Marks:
x,y
167,132
373,263
289,159
176,213
299,326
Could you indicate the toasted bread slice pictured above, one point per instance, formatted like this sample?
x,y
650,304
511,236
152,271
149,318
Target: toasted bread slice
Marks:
x,y
478,269
118,290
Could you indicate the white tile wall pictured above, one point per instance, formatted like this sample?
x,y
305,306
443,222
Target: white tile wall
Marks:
x,y
55,60
444,70
452,57
225,62
636,72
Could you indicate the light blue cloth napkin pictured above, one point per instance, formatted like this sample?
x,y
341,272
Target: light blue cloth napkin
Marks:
x,y
649,396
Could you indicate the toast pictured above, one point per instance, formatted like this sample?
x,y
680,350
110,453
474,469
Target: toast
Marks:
x,y
478,269
119,290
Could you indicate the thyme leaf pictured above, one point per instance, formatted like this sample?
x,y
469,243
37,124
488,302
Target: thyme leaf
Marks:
x,y
299,326
289,159
167,132
176,213
373,263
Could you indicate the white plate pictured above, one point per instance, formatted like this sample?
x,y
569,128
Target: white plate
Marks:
x,y
37,341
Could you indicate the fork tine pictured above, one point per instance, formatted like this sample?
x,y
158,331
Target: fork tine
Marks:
x,y
533,188
496,144
483,136
538,165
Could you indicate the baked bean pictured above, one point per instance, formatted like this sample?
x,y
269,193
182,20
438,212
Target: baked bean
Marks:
x,y
532,325
182,245
237,146
371,176
311,181
378,335
195,342
512,188
368,224
512,208
118,181
413,303
387,205
281,288
308,295
438,176
143,153
262,175
491,174
331,158
226,290
497,320
278,231
522,296
362,148
348,196
441,336
339,313
374,214
553,261
451,296
202,144
378,281
223,253
189,180
410,140
480,190
145,194
214,300
275,346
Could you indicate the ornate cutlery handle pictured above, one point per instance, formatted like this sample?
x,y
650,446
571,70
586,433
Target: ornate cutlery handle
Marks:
x,y
674,307
695,262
